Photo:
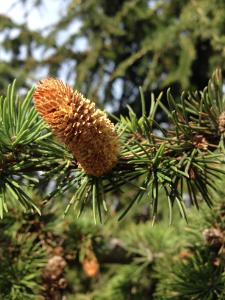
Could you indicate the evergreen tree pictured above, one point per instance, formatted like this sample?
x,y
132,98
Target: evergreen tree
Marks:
x,y
68,173
186,158
126,44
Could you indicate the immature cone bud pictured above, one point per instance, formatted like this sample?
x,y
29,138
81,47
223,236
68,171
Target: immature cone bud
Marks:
x,y
85,130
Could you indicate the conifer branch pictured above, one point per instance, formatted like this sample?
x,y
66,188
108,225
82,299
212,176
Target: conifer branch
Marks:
x,y
187,156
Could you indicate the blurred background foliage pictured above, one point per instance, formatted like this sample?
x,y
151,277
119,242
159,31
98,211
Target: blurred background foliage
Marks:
x,y
51,257
107,49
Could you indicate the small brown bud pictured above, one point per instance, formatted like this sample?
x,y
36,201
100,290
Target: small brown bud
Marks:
x,y
192,173
184,254
55,267
200,142
62,283
221,122
90,264
85,130
217,262
213,237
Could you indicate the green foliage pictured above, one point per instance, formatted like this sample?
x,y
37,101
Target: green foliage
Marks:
x,y
162,263
145,245
154,44
26,147
194,278
185,157
175,263
198,272
22,259
127,283
137,260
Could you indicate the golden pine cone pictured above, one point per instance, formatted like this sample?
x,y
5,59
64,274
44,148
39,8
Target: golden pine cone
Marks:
x,y
85,130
